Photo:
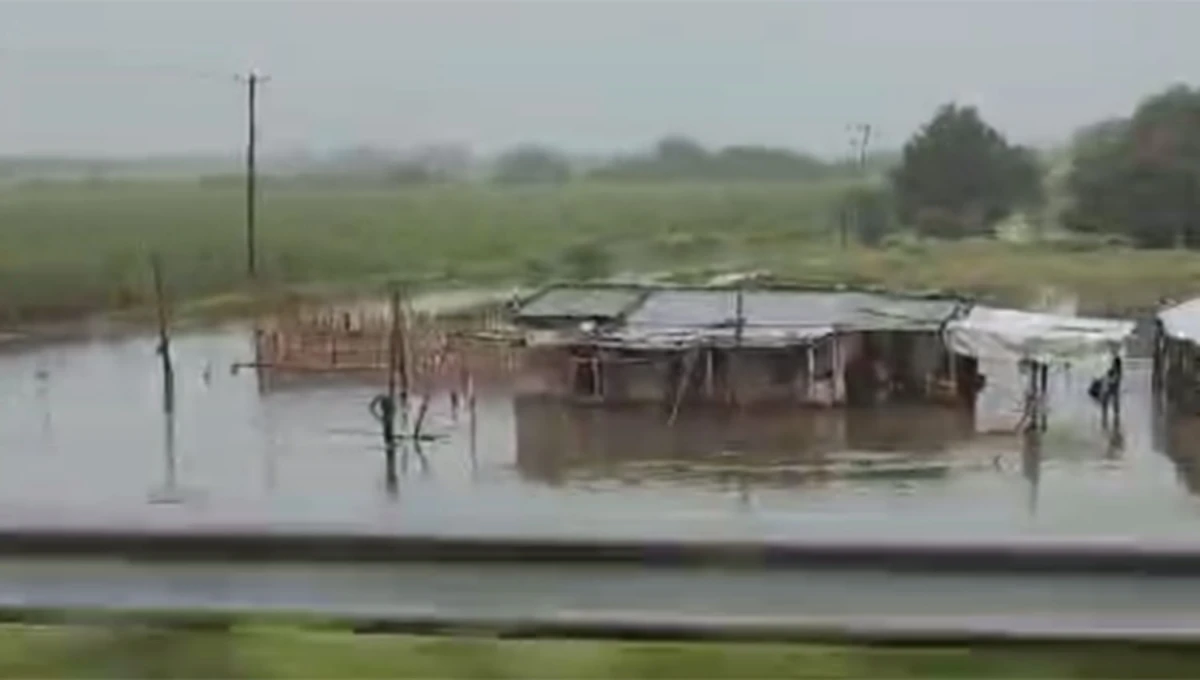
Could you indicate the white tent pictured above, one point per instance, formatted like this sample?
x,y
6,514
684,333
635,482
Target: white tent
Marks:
x,y
1182,322
1008,334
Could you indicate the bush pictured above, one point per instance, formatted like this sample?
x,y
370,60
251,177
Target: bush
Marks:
x,y
587,261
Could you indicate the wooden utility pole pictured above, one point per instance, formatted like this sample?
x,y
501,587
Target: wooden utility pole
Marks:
x,y
253,80
860,141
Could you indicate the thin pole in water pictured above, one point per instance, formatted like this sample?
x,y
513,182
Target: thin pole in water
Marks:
x,y
164,335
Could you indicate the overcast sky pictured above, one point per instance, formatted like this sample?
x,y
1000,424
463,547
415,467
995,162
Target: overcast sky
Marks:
x,y
148,77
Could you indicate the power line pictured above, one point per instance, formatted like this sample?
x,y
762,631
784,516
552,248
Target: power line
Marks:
x,y
82,58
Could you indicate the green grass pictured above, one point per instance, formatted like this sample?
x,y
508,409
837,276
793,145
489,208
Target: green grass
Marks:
x,y
68,249
291,652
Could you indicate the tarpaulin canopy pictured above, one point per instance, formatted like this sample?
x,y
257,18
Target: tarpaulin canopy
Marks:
x,y
1182,321
1009,334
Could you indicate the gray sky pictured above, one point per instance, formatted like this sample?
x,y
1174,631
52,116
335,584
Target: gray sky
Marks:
x,y
151,77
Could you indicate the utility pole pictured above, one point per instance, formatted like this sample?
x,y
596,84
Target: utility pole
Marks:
x,y
253,80
860,140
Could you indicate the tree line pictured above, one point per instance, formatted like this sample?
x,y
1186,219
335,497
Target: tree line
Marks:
x,y
673,157
1134,179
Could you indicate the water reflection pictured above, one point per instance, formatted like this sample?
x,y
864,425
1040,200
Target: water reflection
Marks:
x,y
296,449
559,442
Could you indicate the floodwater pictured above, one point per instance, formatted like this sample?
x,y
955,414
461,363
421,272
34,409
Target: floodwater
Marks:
x,y
84,441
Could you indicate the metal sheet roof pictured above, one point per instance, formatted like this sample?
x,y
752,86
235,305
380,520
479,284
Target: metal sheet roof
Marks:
x,y
791,309
1182,321
676,338
570,302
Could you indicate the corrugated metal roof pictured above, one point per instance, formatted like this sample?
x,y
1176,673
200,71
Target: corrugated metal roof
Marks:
x,y
569,302
686,309
1182,321
675,338
791,309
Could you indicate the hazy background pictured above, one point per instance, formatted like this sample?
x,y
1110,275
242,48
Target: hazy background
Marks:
x,y
86,78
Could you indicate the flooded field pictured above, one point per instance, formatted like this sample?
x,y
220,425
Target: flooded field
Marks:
x,y
83,441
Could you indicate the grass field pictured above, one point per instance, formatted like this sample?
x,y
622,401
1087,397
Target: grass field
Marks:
x,y
292,652
68,249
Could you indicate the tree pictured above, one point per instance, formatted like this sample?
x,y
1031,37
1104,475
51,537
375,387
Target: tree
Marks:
x,y
867,210
1139,177
962,170
531,164
680,158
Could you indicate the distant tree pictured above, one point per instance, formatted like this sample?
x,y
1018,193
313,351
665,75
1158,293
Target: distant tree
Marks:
x,y
587,261
868,210
531,164
681,151
411,172
680,158
761,162
1140,178
962,170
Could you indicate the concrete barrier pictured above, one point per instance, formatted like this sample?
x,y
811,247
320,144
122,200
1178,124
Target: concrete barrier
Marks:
x,y
907,632
1125,557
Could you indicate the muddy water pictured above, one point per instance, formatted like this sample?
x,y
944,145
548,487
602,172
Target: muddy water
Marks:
x,y
83,440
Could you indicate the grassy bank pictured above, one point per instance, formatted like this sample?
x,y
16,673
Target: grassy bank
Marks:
x,y
68,249
291,652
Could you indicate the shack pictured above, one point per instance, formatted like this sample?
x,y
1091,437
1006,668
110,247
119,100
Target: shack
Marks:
x,y
1176,338
731,345
1033,342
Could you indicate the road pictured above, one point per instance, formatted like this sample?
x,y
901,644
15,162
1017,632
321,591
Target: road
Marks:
x,y
766,604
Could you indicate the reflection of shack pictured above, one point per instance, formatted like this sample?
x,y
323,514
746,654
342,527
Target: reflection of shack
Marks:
x,y
558,440
1176,361
670,345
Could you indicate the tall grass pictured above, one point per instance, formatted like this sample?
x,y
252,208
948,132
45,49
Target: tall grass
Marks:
x,y
69,248
66,249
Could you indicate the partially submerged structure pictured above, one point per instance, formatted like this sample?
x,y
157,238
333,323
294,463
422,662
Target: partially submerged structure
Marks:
x,y
1176,338
438,349
1034,342
616,344
1018,336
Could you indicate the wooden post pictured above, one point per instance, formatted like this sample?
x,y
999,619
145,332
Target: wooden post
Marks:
x,y
709,379
164,335
689,363
393,351
735,355
399,321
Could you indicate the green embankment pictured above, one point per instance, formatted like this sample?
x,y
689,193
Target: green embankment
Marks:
x,y
291,652
68,249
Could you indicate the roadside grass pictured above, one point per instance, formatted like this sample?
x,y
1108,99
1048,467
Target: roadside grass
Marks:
x,y
276,651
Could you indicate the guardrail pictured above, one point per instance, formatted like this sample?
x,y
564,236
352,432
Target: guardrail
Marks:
x,y
1091,557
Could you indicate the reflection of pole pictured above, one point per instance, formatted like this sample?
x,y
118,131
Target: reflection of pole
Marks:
x,y
474,422
169,451
168,396
1031,464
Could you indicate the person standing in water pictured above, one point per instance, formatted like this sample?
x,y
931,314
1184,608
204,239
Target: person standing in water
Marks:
x,y
1107,388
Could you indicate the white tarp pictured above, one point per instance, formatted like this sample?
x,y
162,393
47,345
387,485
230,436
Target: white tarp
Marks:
x,y
1009,334
1182,321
